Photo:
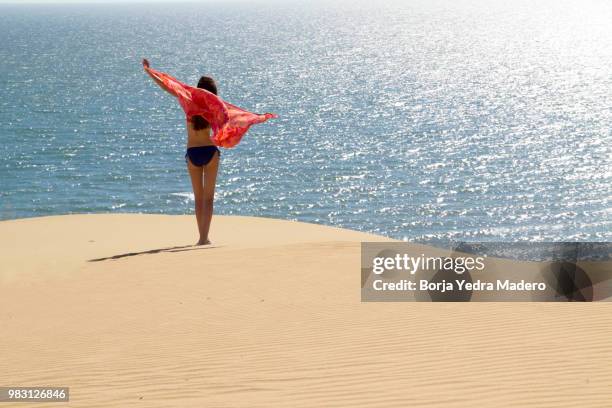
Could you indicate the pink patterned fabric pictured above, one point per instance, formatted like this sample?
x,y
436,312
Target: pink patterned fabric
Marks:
x,y
228,123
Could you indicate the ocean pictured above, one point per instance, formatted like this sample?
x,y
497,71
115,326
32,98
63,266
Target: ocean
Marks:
x,y
419,120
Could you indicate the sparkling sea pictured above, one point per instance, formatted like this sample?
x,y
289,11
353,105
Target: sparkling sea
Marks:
x,y
419,120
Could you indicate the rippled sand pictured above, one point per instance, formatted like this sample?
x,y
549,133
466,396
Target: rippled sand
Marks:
x,y
123,311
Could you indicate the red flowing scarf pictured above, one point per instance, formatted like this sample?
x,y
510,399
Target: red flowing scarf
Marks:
x,y
229,123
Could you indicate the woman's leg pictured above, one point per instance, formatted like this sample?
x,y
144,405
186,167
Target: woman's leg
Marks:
x,y
210,181
197,184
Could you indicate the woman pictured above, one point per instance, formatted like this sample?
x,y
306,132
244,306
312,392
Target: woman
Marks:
x,y
202,159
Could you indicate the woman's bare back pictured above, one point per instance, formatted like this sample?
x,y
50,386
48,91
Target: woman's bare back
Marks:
x,y
198,137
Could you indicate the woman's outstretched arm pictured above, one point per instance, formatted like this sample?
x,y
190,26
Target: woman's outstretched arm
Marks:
x,y
145,64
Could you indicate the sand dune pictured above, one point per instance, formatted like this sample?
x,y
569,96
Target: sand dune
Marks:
x,y
123,311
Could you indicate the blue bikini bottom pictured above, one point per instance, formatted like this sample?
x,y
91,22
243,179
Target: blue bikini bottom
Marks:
x,y
201,155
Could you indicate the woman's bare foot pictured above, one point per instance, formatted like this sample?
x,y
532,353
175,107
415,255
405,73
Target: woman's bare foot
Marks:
x,y
203,242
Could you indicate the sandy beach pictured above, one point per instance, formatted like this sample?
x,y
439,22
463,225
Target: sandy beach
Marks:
x,y
124,311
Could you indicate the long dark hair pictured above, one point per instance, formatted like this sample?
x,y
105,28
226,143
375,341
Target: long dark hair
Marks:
x,y
209,84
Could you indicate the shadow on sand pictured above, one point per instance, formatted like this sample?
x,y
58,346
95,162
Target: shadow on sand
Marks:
x,y
182,248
